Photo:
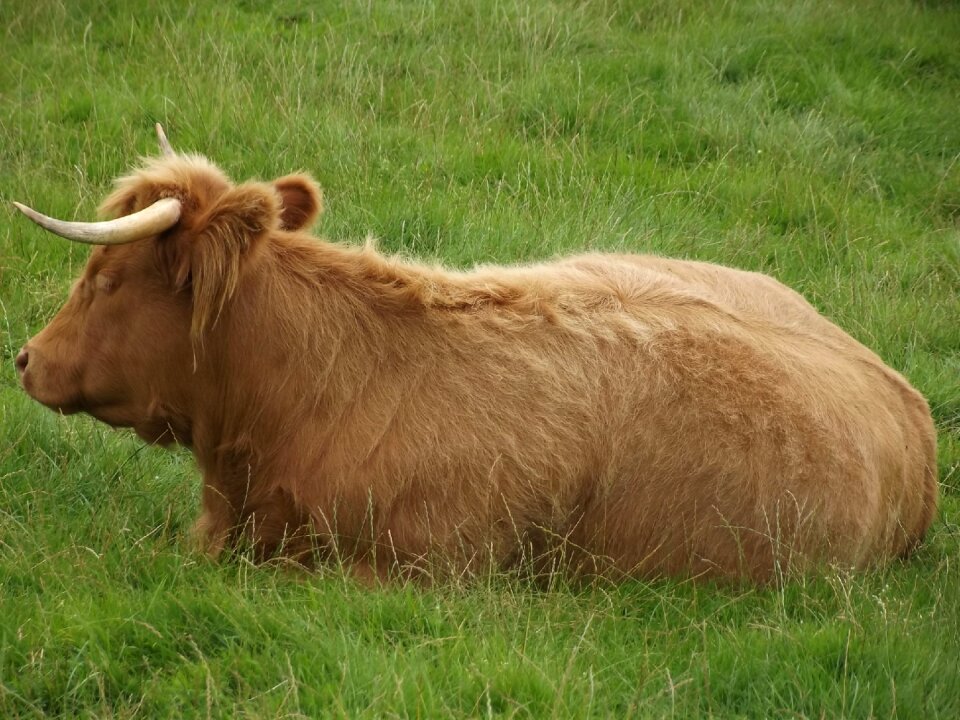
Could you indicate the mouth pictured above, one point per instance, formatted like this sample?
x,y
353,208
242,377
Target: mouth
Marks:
x,y
64,407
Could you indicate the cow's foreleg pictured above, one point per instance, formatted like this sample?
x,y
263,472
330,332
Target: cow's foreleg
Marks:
x,y
212,531
276,529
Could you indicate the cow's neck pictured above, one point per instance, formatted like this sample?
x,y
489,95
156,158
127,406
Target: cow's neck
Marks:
x,y
299,349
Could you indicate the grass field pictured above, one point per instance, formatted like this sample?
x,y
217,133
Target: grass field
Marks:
x,y
816,141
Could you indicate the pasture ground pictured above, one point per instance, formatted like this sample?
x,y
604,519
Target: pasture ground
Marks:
x,y
814,140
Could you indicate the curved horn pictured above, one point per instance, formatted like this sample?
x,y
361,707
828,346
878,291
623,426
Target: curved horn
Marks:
x,y
156,218
165,146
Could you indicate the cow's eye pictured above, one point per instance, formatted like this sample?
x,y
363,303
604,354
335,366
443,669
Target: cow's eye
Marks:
x,y
105,283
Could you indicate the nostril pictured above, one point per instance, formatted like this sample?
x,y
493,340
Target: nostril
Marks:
x,y
22,359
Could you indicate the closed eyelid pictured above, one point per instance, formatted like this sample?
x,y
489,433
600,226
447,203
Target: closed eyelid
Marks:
x,y
106,283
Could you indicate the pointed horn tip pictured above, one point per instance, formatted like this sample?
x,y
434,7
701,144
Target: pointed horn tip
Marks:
x,y
38,217
26,210
165,148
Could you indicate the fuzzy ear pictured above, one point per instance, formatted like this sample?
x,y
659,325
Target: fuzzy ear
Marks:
x,y
209,254
121,201
242,214
302,201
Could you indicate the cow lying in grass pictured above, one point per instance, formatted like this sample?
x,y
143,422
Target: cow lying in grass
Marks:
x,y
610,414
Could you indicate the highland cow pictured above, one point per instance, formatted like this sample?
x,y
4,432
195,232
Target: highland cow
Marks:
x,y
621,415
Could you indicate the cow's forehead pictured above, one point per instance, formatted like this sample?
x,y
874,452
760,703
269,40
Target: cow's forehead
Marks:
x,y
107,258
98,258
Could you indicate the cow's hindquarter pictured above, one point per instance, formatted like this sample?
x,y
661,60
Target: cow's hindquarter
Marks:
x,y
761,453
914,488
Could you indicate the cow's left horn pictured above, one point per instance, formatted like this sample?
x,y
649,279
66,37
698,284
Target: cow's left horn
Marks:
x,y
165,147
156,218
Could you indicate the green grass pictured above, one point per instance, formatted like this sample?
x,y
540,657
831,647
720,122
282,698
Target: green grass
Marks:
x,y
817,141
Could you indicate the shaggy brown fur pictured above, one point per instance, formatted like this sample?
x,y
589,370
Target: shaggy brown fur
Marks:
x,y
614,414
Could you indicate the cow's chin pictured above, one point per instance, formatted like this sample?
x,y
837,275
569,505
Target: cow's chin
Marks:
x,y
64,408
154,430
62,403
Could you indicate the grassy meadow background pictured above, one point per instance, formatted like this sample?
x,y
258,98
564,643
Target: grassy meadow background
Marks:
x,y
817,141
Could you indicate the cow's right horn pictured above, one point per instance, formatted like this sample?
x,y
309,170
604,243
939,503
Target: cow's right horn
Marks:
x,y
156,218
